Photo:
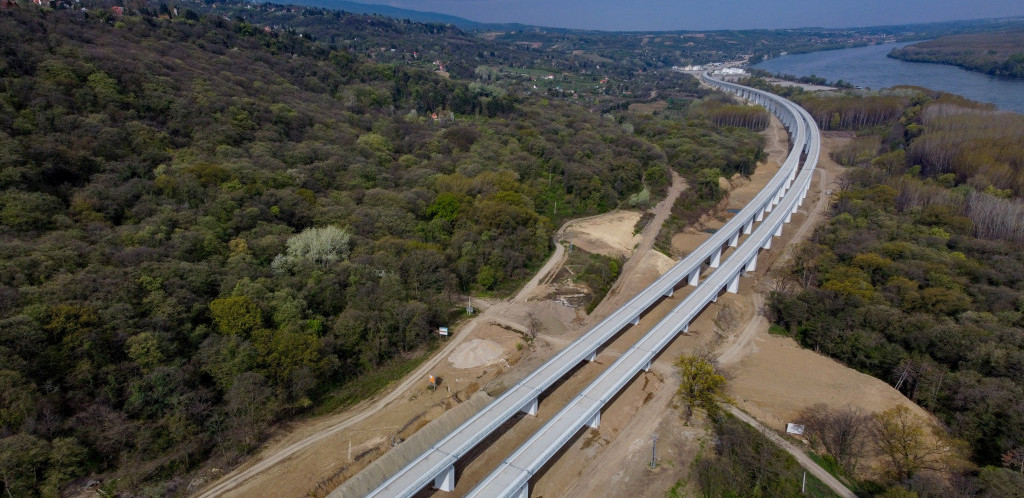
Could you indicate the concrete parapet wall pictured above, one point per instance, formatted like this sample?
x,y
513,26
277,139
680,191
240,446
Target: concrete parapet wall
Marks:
x,y
393,461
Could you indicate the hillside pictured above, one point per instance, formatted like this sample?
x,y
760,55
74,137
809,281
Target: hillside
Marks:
x,y
916,279
389,11
999,53
208,227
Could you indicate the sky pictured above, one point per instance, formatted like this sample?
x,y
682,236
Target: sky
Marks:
x,y
650,15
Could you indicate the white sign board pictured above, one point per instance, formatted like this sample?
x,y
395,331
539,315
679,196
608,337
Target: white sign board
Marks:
x,y
794,429
442,330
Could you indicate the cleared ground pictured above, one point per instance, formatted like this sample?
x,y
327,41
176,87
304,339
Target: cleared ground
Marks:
x,y
608,234
771,378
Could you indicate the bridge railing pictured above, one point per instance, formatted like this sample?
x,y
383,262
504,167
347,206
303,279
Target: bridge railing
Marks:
x,y
511,478
436,464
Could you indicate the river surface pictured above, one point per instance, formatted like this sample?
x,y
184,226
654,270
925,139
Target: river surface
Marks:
x,y
869,67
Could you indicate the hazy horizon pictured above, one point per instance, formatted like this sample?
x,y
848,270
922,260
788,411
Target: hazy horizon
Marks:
x,y
667,15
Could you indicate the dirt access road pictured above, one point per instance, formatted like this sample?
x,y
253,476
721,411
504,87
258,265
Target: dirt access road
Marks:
x,y
801,457
618,295
325,429
288,451
771,378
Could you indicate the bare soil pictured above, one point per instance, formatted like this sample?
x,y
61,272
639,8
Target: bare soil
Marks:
x,y
476,353
608,234
771,377
310,457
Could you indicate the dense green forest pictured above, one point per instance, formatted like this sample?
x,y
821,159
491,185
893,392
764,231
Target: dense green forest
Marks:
x,y
999,53
918,279
207,227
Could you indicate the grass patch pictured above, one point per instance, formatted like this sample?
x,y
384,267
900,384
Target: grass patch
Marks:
x,y
663,241
687,210
827,463
370,383
678,490
817,488
596,271
832,467
642,223
777,330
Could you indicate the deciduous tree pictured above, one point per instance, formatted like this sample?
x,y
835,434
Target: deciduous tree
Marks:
x,y
701,386
22,460
909,444
236,315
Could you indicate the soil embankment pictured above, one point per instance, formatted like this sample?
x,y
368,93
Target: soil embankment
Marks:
x,y
771,377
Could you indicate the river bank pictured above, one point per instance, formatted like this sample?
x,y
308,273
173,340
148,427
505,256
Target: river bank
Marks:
x,y
870,67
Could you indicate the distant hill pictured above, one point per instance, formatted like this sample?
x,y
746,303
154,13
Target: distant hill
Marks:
x,y
385,10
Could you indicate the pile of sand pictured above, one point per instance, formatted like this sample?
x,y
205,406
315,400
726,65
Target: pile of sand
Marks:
x,y
475,353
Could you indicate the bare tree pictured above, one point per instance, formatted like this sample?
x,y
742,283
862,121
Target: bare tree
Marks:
x,y
727,319
840,432
1014,459
250,408
533,325
905,373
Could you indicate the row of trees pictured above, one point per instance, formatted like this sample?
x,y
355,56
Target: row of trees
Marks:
x,y
997,53
916,280
852,112
981,148
725,114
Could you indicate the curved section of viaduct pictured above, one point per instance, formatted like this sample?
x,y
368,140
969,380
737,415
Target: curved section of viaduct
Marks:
x,y
511,478
770,209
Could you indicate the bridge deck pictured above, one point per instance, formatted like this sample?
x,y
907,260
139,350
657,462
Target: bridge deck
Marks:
x,y
513,475
432,463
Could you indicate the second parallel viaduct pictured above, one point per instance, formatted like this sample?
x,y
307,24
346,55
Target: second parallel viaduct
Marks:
x,y
770,210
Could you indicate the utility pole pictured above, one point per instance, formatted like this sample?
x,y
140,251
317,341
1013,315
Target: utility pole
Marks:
x,y
654,450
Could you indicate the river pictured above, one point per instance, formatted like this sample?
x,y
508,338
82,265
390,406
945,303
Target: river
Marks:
x,y
869,67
